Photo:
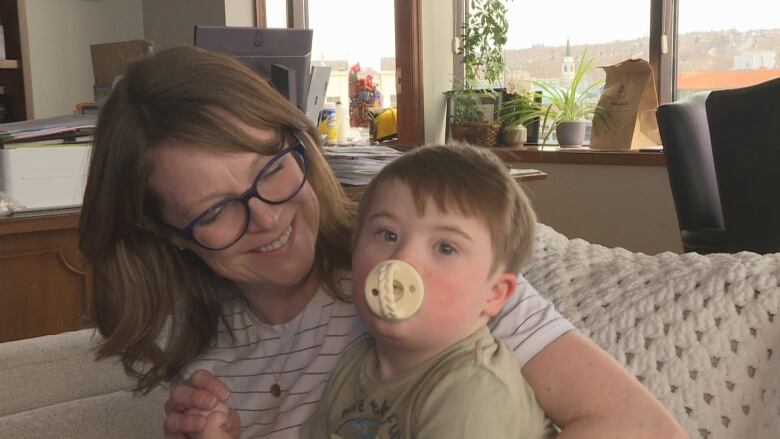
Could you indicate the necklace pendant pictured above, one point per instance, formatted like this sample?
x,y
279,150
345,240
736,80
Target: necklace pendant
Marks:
x,y
276,391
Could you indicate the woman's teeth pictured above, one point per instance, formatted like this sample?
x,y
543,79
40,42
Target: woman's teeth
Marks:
x,y
278,242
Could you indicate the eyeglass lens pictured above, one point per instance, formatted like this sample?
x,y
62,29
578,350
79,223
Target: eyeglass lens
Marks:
x,y
279,181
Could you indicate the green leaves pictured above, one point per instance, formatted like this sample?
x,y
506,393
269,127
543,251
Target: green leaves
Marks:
x,y
569,104
482,42
467,103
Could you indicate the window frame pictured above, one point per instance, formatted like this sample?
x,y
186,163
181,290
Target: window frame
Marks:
x,y
408,62
663,15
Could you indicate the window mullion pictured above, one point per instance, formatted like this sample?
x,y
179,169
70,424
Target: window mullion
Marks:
x,y
663,22
296,14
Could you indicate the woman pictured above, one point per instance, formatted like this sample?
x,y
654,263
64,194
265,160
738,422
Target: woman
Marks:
x,y
219,241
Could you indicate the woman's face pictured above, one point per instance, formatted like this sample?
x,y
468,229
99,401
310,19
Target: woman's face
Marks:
x,y
277,249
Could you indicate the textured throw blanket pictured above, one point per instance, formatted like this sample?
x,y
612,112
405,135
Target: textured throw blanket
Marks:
x,y
700,332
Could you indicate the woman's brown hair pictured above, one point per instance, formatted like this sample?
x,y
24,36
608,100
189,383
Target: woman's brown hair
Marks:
x,y
140,278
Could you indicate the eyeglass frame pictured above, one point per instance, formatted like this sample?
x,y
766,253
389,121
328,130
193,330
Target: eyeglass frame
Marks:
x,y
187,232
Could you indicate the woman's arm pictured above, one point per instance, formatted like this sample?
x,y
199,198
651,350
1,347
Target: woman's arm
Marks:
x,y
590,395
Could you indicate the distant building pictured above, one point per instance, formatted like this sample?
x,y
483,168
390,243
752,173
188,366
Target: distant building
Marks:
x,y
755,60
335,64
567,67
691,82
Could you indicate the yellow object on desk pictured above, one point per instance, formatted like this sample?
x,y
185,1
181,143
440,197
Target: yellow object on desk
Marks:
x,y
384,124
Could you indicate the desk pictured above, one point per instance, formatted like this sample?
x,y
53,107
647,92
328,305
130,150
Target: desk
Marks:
x,y
45,285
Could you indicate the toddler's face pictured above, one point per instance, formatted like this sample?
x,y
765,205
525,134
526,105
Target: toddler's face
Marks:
x,y
452,253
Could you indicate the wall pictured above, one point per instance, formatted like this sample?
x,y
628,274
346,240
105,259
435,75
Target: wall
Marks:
x,y
616,206
170,23
239,13
59,34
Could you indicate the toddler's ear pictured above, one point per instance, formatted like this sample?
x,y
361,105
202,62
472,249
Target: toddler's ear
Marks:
x,y
504,286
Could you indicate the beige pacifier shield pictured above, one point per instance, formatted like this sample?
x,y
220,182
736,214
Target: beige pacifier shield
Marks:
x,y
394,290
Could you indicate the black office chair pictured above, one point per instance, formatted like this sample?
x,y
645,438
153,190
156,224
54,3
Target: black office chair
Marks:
x,y
686,138
745,132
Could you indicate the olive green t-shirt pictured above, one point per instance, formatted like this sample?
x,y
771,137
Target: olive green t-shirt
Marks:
x,y
474,389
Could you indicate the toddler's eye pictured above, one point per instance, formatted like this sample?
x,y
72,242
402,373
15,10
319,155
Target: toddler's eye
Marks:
x,y
445,248
387,235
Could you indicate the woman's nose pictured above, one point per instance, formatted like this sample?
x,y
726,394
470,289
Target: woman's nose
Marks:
x,y
262,216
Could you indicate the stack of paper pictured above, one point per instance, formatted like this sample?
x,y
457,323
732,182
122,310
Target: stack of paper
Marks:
x,y
48,132
357,165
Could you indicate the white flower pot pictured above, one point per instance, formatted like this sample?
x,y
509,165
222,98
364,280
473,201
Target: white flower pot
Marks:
x,y
570,134
514,136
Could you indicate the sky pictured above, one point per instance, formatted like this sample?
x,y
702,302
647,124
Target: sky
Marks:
x,y
595,21
364,29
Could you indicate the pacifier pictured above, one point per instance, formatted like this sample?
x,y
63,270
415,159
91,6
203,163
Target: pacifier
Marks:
x,y
394,290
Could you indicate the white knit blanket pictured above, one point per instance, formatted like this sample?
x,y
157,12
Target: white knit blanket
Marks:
x,y
700,332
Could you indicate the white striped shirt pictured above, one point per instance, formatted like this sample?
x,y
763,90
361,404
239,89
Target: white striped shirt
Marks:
x,y
309,346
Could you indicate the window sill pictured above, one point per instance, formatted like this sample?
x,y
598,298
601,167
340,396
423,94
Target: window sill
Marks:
x,y
580,156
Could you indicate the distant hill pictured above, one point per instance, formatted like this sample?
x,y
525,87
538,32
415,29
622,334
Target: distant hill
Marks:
x,y
699,51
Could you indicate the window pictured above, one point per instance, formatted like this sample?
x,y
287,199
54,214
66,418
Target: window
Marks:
x,y
548,48
722,45
361,54
692,45
384,38
275,13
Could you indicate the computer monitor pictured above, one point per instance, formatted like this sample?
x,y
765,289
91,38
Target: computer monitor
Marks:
x,y
283,56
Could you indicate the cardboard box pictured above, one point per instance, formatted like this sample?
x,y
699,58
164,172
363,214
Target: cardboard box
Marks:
x,y
45,177
110,60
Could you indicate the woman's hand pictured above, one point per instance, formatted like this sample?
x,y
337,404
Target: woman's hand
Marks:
x,y
218,423
202,391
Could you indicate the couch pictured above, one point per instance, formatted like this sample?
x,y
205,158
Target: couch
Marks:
x,y
700,332
51,387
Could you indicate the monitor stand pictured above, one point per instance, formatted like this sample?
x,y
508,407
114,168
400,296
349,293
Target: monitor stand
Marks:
x,y
283,79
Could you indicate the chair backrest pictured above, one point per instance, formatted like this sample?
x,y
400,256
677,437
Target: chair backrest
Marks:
x,y
745,134
685,135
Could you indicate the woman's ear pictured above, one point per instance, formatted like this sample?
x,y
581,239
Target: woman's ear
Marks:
x,y
504,286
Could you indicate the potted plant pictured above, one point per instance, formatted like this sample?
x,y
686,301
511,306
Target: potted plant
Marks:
x,y
568,107
516,114
469,122
482,46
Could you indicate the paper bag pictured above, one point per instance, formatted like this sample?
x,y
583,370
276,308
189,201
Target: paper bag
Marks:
x,y
629,103
110,60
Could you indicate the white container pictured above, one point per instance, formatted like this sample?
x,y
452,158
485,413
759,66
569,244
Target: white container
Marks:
x,y
45,177
341,124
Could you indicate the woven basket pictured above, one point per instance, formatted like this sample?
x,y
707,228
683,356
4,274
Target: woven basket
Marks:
x,y
476,133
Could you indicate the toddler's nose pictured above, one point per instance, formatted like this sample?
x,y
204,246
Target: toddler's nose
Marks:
x,y
394,290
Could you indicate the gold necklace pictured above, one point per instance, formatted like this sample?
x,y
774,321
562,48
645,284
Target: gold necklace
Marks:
x,y
276,388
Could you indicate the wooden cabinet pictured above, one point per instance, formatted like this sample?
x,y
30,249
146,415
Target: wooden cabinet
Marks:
x,y
44,285
12,77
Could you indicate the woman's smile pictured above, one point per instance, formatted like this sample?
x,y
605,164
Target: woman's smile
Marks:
x,y
277,243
